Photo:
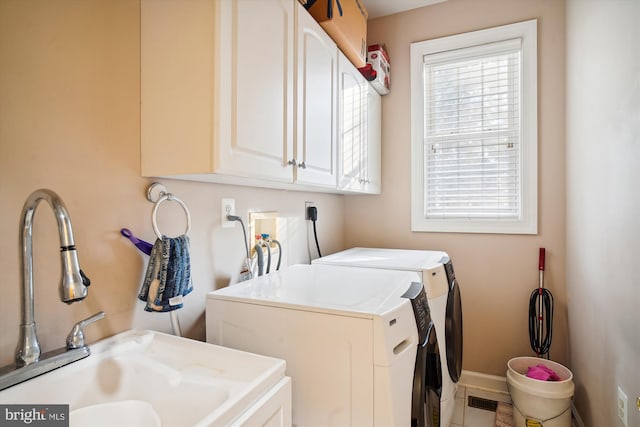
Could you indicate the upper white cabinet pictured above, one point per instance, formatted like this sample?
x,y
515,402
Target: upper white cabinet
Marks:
x,y
255,86
359,132
217,82
243,92
317,106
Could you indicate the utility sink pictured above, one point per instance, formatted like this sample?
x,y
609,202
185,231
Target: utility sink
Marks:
x,y
146,378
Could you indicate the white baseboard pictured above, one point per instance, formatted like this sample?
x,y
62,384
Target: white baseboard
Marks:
x,y
485,382
576,416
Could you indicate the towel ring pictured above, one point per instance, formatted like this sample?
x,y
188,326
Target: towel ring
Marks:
x,y
164,196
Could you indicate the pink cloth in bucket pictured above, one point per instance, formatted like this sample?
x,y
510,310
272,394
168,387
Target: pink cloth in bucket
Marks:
x,y
542,373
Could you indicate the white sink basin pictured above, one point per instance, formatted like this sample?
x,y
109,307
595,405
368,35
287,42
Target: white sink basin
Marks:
x,y
159,378
122,413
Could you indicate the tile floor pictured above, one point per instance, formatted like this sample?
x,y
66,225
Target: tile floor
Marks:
x,y
466,416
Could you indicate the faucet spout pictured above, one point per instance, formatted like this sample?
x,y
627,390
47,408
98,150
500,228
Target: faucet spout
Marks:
x,y
72,285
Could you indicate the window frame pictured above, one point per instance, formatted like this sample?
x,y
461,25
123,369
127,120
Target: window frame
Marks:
x,y
527,223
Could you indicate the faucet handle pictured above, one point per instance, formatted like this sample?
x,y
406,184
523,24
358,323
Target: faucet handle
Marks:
x,y
75,339
85,280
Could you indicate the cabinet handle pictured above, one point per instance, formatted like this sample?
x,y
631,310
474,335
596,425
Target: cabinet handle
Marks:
x,y
292,162
302,165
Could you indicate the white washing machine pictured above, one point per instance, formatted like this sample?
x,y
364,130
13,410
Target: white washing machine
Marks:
x,y
444,340
349,337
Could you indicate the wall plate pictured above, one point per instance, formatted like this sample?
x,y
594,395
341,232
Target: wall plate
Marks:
x,y
227,207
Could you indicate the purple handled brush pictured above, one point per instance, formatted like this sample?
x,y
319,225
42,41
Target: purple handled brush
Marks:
x,y
144,247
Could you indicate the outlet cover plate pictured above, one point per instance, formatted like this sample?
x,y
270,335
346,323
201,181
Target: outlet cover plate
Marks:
x,y
307,205
227,207
623,407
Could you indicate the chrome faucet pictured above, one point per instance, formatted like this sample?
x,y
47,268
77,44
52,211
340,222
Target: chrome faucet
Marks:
x,y
73,287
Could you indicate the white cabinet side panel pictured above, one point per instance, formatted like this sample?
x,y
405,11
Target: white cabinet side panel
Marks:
x,y
176,78
329,358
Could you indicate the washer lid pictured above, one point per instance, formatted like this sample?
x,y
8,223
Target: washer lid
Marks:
x,y
360,292
393,259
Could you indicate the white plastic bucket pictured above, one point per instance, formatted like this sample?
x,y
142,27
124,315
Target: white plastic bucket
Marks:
x,y
539,403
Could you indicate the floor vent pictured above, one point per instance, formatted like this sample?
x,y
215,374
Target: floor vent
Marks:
x,y
480,403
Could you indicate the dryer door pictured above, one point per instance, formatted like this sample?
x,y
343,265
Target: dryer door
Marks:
x,y
433,379
419,394
427,383
425,327
453,330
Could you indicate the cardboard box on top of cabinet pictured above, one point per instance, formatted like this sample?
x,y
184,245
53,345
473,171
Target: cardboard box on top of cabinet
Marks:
x,y
379,59
346,23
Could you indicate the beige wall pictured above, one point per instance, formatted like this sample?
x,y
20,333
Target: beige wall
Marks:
x,y
497,272
70,121
603,205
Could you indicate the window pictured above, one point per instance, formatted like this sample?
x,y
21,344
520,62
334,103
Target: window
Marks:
x,y
474,131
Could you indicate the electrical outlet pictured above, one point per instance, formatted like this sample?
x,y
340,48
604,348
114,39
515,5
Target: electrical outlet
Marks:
x,y
306,209
623,407
227,207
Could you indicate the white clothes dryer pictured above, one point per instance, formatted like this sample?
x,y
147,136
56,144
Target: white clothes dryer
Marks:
x,y
442,365
349,337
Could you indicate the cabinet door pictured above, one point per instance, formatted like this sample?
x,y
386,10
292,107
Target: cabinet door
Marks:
x,y
372,152
254,86
317,127
353,126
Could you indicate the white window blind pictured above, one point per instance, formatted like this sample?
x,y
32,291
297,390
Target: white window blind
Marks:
x,y
472,132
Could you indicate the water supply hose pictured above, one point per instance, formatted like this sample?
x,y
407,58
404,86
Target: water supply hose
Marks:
x,y
260,257
279,253
268,246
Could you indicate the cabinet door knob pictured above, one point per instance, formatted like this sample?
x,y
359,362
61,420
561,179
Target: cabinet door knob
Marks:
x,y
292,162
302,165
